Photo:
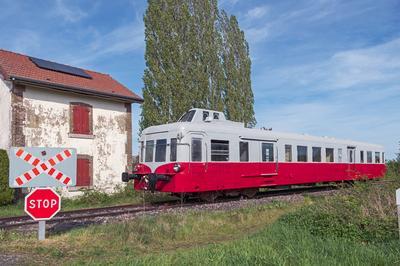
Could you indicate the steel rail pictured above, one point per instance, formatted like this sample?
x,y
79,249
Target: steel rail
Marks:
x,y
113,211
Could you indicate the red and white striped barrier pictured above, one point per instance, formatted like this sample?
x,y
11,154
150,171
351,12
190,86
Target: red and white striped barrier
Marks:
x,y
42,167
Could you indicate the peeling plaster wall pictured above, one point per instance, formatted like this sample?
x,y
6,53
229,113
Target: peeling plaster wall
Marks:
x,y
5,117
47,124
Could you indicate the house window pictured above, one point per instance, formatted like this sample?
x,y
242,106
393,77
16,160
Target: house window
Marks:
x,y
302,153
244,151
149,150
196,150
361,156
329,155
161,150
267,152
84,171
219,150
288,153
173,150
81,119
316,154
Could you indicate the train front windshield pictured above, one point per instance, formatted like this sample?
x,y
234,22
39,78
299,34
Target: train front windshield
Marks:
x,y
156,150
187,117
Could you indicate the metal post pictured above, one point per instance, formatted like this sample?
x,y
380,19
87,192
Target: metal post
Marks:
x,y
398,207
42,230
398,217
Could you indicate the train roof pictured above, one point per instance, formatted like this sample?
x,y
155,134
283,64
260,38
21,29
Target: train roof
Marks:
x,y
236,128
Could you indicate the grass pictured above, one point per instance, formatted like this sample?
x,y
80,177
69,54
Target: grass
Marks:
x,y
103,244
92,199
357,226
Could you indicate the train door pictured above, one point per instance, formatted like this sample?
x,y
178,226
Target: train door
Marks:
x,y
351,159
198,154
269,155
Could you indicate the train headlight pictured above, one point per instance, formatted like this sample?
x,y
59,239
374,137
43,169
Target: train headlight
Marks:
x,y
177,168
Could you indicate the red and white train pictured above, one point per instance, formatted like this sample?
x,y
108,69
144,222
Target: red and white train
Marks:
x,y
207,155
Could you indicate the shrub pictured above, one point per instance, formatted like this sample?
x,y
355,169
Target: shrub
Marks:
x,y
365,212
6,193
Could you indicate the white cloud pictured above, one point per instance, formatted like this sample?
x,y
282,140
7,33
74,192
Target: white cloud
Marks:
x,y
353,94
25,41
257,34
228,3
124,39
257,12
68,12
372,65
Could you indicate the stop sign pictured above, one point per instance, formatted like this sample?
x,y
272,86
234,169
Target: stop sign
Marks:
x,y
42,204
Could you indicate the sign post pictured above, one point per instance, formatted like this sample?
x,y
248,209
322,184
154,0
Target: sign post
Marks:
x,y
42,204
42,230
398,207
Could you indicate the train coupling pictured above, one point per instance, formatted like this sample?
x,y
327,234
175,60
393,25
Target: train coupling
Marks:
x,y
126,177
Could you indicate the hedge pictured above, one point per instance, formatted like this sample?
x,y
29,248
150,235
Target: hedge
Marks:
x,y
6,193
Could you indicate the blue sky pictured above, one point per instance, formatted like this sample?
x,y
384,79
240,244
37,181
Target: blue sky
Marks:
x,y
318,67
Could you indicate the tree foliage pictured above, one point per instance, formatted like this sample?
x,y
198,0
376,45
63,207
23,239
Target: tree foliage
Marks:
x,y
196,56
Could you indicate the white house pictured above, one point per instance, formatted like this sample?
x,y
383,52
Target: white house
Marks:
x,y
46,104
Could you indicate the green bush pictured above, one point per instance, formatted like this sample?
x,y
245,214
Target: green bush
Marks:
x,y
6,193
365,212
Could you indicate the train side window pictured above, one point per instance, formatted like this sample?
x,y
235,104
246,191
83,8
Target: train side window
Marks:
x,y
369,156
383,157
267,152
219,150
244,151
173,149
141,151
329,155
216,116
161,150
361,156
340,151
377,157
196,150
149,150
205,115
288,153
316,154
302,154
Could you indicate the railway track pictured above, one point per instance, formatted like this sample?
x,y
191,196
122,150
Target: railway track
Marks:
x,y
83,216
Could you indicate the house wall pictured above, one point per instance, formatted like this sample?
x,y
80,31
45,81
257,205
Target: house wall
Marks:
x,y
5,118
47,124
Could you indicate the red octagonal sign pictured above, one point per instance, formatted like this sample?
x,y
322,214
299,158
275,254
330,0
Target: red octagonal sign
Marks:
x,y
42,204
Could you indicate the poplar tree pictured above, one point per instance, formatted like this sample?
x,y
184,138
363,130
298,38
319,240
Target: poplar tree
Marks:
x,y
239,98
195,57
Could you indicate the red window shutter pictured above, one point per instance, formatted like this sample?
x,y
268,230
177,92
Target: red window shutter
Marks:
x,y
75,114
81,119
85,120
83,173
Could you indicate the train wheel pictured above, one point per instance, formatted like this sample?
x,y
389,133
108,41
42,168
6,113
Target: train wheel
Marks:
x,y
208,196
250,192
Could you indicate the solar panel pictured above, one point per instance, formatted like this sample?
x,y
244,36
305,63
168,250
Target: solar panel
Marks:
x,y
60,67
